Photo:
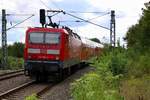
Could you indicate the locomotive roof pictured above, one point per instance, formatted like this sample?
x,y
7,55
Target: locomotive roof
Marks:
x,y
46,29
67,31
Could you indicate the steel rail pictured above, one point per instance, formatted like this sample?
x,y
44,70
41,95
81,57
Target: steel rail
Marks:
x,y
8,76
40,93
3,95
11,72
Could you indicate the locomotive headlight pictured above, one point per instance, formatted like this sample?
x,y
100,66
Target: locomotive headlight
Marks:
x,y
57,57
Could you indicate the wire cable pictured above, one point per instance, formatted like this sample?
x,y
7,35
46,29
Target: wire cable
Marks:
x,y
85,12
19,14
86,20
79,17
99,16
19,23
44,4
55,4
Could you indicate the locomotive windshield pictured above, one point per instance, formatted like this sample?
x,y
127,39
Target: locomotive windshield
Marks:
x,y
44,38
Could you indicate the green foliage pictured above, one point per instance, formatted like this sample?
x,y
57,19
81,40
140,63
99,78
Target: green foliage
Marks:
x,y
118,62
32,97
15,63
102,84
92,87
15,56
138,64
138,36
16,50
95,40
114,60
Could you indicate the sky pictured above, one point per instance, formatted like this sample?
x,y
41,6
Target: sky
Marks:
x,y
127,14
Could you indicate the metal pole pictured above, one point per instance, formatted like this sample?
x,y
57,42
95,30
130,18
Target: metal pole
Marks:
x,y
113,29
4,40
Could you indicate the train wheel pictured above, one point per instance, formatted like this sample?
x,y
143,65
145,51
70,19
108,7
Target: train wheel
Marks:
x,y
37,78
41,78
60,75
69,71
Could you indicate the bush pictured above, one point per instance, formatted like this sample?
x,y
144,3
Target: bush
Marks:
x,y
15,63
103,84
138,65
118,63
32,97
92,87
114,60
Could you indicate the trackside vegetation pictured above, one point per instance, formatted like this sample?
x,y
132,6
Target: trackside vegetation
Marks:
x,y
103,83
15,56
121,74
31,97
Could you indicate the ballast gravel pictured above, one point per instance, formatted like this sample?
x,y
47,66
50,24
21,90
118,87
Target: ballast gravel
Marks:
x,y
62,90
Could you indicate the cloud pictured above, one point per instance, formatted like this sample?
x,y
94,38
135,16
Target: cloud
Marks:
x,y
127,13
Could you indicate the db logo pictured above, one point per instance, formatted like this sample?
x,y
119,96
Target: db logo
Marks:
x,y
43,51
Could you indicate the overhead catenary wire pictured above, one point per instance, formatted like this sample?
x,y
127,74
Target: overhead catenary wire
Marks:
x,y
79,17
86,12
19,14
86,20
44,4
55,4
19,23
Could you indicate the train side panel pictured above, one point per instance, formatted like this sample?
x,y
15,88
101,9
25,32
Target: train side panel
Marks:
x,y
72,50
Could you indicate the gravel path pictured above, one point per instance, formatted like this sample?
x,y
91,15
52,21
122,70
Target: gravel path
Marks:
x,y
62,90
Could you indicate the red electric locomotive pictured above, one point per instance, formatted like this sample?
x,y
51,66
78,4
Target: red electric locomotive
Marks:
x,y
53,51
50,50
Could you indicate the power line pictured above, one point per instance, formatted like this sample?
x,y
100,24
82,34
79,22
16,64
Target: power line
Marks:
x,y
86,20
85,12
44,4
23,27
79,17
55,4
19,23
19,14
99,16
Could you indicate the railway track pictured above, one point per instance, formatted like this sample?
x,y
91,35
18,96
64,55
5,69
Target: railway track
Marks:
x,y
11,74
40,93
3,95
25,90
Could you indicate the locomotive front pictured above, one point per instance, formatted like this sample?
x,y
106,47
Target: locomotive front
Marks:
x,y
42,52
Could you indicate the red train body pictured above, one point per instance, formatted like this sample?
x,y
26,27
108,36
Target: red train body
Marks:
x,y
52,50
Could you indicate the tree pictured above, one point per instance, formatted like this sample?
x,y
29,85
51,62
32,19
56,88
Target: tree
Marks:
x,y
16,50
138,36
95,40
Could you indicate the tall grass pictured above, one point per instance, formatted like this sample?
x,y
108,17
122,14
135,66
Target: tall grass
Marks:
x,y
92,86
138,63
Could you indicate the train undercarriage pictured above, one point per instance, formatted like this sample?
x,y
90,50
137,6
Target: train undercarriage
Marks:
x,y
49,70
